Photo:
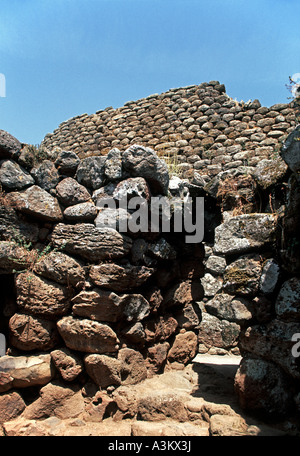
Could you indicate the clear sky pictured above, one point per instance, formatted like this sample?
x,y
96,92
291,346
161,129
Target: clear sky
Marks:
x,y
62,58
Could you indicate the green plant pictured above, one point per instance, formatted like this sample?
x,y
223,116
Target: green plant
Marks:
x,y
31,255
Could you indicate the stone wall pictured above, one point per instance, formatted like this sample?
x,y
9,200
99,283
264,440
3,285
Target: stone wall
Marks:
x,y
81,301
200,125
162,300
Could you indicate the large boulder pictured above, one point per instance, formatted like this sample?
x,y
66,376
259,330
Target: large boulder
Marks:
x,y
32,333
244,233
119,278
89,242
90,172
25,371
60,268
70,192
10,147
13,177
39,296
287,304
36,202
46,175
87,336
290,151
262,386
142,161
273,342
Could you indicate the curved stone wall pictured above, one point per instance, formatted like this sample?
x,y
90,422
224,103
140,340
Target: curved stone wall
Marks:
x,y
200,125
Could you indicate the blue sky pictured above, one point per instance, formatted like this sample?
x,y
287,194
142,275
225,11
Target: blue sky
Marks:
x,y
63,58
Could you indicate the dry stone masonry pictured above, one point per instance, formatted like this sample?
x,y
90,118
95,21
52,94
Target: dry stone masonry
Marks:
x,y
89,310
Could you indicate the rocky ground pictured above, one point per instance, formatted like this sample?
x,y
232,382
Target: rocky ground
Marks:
x,y
196,401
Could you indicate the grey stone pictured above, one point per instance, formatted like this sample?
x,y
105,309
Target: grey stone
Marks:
x,y
90,172
211,284
70,192
112,218
143,162
89,242
46,175
244,233
290,151
10,147
214,332
113,165
287,304
162,250
67,162
82,212
269,172
215,264
231,308
13,177
269,276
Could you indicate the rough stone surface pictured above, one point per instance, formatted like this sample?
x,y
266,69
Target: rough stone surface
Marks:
x,y
82,212
243,275
261,385
287,305
26,371
290,150
243,233
184,348
119,278
46,175
60,268
90,172
9,145
87,336
143,162
11,406
104,370
13,177
39,296
32,333
36,202
90,243
70,192
68,363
